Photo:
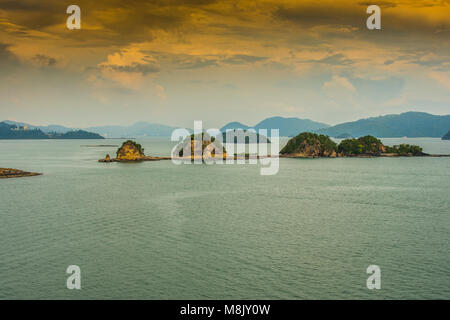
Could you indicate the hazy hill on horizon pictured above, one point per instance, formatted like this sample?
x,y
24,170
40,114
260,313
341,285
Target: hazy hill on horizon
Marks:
x,y
288,127
409,124
16,131
46,129
136,130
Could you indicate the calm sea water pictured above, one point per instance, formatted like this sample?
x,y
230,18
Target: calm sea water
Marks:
x,y
155,230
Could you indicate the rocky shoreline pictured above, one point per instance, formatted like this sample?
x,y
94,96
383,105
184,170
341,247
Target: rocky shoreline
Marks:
x,y
15,173
381,155
146,158
311,145
130,151
306,145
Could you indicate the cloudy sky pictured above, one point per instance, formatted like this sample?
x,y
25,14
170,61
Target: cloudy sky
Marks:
x,y
174,61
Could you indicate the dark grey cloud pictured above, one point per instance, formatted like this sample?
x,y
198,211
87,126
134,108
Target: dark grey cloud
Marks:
x,y
136,67
425,58
242,59
381,4
5,54
196,63
336,59
24,5
319,15
8,61
44,60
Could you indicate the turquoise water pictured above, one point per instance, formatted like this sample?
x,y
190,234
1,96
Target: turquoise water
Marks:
x,y
154,230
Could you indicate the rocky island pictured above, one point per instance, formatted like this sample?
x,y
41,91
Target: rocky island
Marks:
x,y
15,173
130,151
311,145
203,144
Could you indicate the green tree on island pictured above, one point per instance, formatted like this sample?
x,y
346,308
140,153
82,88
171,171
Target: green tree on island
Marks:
x,y
363,145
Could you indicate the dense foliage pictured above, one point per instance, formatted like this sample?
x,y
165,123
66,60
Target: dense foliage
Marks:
x,y
299,143
363,145
405,149
320,145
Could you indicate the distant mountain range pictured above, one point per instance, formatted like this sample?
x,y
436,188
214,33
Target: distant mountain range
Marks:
x,y
137,130
408,124
47,129
288,126
15,131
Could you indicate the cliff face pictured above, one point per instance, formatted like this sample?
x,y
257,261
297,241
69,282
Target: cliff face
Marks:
x,y
130,151
310,145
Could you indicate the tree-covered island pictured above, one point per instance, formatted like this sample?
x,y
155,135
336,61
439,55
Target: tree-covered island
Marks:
x,y
311,145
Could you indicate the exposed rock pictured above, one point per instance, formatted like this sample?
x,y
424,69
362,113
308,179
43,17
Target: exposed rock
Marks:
x,y
130,151
14,173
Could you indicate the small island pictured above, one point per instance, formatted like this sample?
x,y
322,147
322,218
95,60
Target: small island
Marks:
x,y
207,149
130,151
446,136
15,173
311,145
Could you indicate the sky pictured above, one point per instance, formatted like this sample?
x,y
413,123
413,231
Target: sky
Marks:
x,y
174,61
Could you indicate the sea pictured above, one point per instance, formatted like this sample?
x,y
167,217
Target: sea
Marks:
x,y
157,230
